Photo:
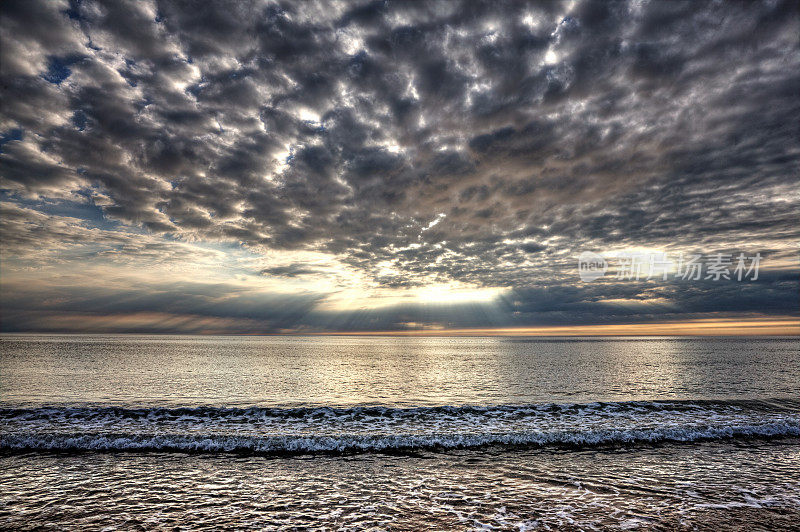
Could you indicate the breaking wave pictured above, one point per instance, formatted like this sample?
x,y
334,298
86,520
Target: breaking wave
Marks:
x,y
290,431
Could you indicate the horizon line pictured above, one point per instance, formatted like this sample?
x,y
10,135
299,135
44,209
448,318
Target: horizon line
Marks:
x,y
781,326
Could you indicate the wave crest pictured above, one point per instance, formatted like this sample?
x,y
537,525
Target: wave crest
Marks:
x,y
294,444
287,431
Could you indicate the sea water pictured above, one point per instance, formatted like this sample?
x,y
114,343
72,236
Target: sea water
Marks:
x,y
398,433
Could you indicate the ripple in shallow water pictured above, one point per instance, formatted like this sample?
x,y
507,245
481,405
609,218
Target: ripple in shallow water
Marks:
x,y
718,485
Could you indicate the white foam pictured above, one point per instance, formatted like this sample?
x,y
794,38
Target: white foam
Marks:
x,y
365,429
296,444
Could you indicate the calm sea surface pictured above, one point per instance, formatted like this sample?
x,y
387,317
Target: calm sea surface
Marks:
x,y
143,432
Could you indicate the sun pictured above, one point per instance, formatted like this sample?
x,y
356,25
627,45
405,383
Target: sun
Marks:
x,y
455,293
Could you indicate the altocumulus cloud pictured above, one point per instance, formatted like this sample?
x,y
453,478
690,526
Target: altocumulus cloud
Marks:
x,y
193,159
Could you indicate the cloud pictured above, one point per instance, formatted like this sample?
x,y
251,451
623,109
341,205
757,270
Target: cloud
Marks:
x,y
291,270
174,307
477,142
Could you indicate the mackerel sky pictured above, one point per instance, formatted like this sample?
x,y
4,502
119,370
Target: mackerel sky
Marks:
x,y
258,167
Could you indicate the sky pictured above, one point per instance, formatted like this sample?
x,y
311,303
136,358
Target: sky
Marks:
x,y
411,167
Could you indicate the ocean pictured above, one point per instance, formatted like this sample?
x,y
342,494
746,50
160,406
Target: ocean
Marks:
x,y
398,433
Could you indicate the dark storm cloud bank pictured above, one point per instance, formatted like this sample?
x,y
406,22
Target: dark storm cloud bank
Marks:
x,y
484,142
177,307
203,308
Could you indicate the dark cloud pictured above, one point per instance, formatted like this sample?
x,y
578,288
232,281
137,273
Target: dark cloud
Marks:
x,y
177,307
204,307
485,143
291,270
